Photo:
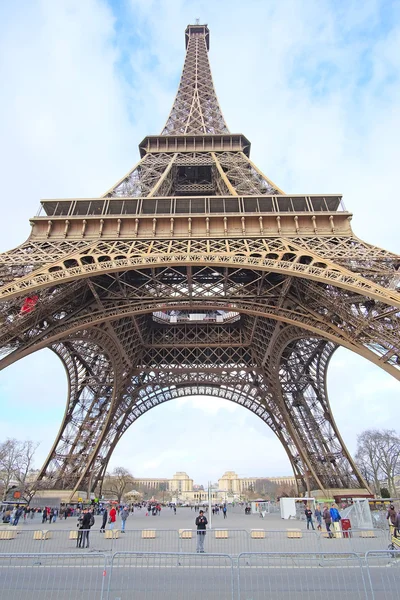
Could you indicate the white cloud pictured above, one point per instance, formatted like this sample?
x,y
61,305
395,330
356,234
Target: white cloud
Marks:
x,y
316,88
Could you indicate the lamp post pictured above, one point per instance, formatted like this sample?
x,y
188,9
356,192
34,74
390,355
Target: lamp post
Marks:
x,y
209,505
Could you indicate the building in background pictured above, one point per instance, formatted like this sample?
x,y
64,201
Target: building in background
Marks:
x,y
230,487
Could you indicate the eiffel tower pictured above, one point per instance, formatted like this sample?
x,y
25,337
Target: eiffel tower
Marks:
x,y
196,274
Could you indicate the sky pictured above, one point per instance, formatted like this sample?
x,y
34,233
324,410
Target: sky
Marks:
x,y
315,86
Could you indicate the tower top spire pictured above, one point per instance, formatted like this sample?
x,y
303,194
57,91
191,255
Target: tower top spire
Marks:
x,y
196,110
197,29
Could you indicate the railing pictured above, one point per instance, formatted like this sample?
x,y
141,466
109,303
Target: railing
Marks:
x,y
197,205
181,575
219,540
53,576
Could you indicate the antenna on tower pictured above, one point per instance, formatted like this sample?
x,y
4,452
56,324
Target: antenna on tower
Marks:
x,y
197,21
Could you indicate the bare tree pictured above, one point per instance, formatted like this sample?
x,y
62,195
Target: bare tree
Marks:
x,y
16,462
9,455
378,457
390,458
25,461
117,482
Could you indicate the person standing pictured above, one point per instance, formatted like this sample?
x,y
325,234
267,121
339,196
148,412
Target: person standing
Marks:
x,y
391,515
103,525
318,516
85,525
112,517
336,518
308,513
124,514
17,516
326,515
201,523
396,529
224,511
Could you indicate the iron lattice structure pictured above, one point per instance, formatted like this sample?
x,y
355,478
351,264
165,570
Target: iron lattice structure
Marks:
x,y
195,274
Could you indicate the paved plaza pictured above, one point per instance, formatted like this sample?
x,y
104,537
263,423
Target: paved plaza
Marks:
x,y
169,532
246,557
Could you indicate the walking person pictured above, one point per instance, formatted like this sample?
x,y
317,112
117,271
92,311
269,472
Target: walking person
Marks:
x,y
201,523
224,511
336,519
391,515
103,525
112,517
17,516
396,530
308,513
326,515
318,516
124,514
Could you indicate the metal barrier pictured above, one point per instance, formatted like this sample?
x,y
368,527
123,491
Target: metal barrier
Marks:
x,y
288,540
165,575
354,540
217,541
161,576
294,576
66,540
52,576
384,573
148,540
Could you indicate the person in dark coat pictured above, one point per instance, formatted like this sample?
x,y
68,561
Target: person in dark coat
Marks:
x,y
104,523
326,515
391,515
85,525
201,523
397,526
308,513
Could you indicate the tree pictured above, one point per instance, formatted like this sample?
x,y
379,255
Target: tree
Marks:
x,y
385,493
378,457
265,488
16,462
117,482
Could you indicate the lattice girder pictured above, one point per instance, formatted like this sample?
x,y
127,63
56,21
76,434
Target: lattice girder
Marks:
x,y
118,287
276,255
196,109
349,319
92,384
151,388
297,373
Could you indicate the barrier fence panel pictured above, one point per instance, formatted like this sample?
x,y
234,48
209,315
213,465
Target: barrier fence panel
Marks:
x,y
52,576
157,576
364,540
288,540
16,539
148,540
355,540
384,574
301,576
217,541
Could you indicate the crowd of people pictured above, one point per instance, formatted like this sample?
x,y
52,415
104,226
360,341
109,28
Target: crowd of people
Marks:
x,y
326,514
13,515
